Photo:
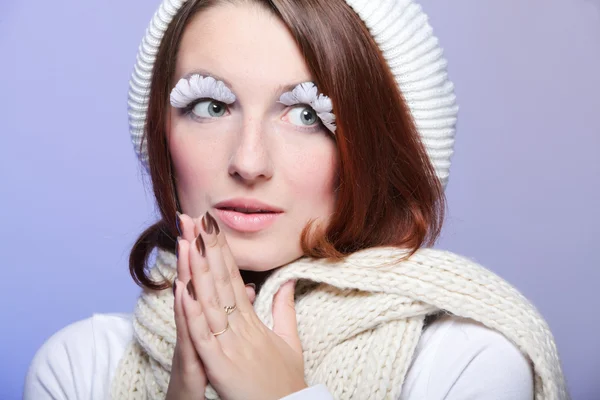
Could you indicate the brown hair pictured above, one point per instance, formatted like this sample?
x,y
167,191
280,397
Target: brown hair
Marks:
x,y
388,193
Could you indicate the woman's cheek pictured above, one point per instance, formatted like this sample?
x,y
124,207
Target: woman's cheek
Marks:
x,y
316,178
197,165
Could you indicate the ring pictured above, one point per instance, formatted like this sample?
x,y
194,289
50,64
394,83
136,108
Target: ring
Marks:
x,y
223,331
230,309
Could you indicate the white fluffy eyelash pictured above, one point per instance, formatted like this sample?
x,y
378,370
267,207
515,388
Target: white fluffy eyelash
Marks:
x,y
197,87
306,93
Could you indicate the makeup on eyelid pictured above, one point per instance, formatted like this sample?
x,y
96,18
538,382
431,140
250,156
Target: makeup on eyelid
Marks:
x,y
307,93
198,87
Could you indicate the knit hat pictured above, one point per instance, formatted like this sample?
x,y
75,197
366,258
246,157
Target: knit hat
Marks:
x,y
406,39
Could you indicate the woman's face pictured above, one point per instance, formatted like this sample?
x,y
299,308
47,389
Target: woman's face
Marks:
x,y
254,154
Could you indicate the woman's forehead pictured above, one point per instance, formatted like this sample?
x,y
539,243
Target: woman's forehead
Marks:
x,y
241,45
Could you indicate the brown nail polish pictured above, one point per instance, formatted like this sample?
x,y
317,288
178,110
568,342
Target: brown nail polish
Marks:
x,y
214,223
190,289
200,245
206,224
178,222
174,287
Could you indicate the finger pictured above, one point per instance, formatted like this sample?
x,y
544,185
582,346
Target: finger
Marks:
x,y
284,316
204,342
197,226
183,260
251,293
185,226
242,299
213,237
204,286
184,346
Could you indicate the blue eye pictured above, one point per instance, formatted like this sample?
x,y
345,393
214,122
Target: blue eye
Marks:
x,y
209,109
303,115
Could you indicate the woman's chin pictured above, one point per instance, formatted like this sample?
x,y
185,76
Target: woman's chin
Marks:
x,y
265,252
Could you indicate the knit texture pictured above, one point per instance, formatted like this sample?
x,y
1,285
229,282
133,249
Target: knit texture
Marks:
x,y
412,52
359,321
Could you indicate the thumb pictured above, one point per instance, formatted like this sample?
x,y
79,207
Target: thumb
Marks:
x,y
284,316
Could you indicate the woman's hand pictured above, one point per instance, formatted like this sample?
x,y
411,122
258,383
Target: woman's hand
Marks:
x,y
188,379
243,359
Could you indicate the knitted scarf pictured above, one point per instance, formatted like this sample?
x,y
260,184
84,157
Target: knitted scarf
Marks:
x,y
359,321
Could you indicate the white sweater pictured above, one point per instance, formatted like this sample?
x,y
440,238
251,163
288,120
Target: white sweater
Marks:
x,y
456,359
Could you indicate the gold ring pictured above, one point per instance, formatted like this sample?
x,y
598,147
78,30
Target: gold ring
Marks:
x,y
223,331
230,309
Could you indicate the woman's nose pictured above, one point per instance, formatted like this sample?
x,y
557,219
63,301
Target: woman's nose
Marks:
x,y
250,161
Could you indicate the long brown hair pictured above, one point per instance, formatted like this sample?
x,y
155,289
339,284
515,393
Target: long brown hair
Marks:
x,y
388,193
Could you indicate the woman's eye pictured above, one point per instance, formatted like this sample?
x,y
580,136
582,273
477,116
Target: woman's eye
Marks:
x,y
303,116
209,109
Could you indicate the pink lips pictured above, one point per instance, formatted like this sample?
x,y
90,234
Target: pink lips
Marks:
x,y
247,215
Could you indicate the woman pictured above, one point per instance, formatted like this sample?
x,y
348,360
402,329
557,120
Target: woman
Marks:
x,y
298,152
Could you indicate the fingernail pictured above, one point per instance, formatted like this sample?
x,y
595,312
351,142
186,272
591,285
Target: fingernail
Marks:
x,y
178,222
206,225
200,245
177,247
174,287
214,223
252,285
190,289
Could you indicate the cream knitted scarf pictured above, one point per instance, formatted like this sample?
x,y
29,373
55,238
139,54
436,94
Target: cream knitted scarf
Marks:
x,y
359,321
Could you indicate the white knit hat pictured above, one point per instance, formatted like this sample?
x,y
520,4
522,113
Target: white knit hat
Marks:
x,y
412,52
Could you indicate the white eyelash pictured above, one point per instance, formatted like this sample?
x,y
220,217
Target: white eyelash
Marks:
x,y
197,87
306,93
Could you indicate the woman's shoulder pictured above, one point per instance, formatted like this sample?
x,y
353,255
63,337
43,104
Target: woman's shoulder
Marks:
x,y
459,358
78,361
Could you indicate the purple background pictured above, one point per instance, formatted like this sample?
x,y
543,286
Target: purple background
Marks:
x,y
523,193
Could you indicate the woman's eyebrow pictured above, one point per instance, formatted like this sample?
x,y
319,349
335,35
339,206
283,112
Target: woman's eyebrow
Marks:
x,y
288,88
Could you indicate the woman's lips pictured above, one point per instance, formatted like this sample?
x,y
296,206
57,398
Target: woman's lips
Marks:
x,y
247,222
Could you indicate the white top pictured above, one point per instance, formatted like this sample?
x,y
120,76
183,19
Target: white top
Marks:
x,y
456,359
